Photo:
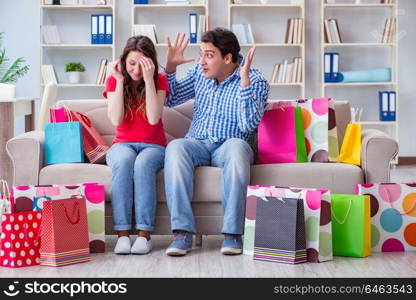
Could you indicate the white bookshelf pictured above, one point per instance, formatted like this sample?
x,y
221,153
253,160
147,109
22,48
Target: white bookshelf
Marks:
x,y
269,34
75,47
360,12
170,20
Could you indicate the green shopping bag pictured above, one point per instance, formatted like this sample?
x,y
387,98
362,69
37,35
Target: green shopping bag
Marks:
x,y
351,225
301,155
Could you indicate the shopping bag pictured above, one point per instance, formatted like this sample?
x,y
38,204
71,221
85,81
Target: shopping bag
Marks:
x,y
64,239
333,145
20,239
33,197
351,227
317,212
315,123
277,136
93,144
301,155
351,145
58,114
393,215
280,231
63,143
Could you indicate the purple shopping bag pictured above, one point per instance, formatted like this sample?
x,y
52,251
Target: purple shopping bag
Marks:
x,y
277,136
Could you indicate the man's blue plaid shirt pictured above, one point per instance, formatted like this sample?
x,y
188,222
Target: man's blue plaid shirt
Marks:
x,y
221,111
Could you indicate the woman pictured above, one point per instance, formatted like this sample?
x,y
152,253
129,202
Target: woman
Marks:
x,y
136,94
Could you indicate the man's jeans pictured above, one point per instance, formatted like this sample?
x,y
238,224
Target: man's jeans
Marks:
x,y
134,167
234,156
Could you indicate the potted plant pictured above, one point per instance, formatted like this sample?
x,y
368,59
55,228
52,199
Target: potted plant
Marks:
x,y
9,73
74,70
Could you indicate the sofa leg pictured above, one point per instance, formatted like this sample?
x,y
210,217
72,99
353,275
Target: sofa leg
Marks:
x,y
198,240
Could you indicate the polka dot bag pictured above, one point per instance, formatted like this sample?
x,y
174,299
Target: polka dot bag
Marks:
x,y
20,239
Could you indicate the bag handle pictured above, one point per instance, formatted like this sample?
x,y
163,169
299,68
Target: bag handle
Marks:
x,y
67,112
346,216
5,191
27,235
391,202
76,205
84,118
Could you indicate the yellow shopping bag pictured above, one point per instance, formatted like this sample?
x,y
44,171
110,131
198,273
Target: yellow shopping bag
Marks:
x,y
351,145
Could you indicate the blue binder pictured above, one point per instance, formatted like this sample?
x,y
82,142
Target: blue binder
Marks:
x,y
331,65
193,28
101,29
327,66
108,29
94,29
392,106
384,105
141,1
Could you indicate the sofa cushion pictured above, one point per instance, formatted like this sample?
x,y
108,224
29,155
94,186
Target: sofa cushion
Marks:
x,y
339,178
77,173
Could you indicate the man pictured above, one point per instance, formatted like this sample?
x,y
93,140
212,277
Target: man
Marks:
x,y
229,103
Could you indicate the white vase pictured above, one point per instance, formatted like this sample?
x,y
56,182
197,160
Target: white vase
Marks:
x,y
74,77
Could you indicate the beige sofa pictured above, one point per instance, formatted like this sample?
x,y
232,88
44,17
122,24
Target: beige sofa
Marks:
x,y
26,152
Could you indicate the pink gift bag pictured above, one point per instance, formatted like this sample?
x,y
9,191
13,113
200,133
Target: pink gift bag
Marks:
x,y
277,136
57,115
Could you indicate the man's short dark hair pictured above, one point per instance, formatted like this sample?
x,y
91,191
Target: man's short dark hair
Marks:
x,y
223,39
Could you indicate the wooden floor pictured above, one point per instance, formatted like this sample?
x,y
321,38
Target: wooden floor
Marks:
x,y
209,262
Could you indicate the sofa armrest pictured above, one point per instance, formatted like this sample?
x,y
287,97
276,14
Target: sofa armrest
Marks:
x,y
26,154
378,150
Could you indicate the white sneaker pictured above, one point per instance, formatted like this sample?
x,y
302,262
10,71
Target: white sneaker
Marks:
x,y
141,246
123,245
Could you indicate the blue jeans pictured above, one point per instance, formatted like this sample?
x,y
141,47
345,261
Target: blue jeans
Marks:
x,y
134,167
234,156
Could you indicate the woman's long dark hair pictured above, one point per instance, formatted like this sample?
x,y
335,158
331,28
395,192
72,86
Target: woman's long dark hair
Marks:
x,y
135,95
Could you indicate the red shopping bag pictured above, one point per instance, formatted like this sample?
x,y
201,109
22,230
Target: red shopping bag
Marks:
x,y
64,238
20,239
94,146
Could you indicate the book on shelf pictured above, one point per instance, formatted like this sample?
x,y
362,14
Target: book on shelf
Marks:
x,y
274,73
387,1
102,71
50,34
287,72
332,33
148,30
243,32
294,31
48,74
389,29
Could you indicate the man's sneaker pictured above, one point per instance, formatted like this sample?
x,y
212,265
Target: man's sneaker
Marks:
x,y
232,244
181,245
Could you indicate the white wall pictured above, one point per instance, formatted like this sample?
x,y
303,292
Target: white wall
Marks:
x,y
19,19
